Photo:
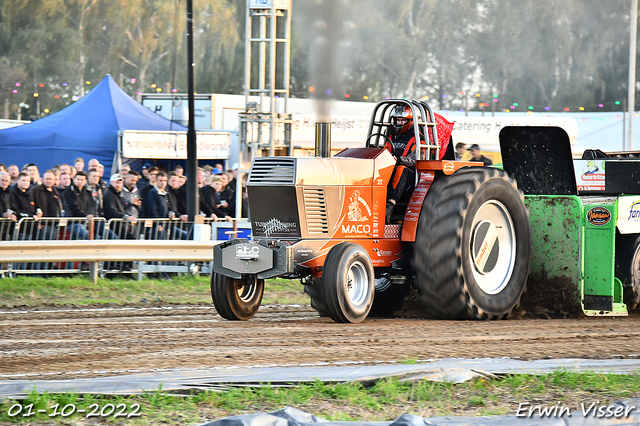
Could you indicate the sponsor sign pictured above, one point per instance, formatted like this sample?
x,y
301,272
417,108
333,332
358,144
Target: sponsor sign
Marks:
x,y
598,216
629,214
589,174
173,145
275,227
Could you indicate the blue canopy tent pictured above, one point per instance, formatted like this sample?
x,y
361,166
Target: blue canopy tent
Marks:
x,y
87,128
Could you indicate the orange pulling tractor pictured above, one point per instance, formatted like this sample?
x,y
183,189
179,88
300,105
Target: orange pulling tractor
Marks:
x,y
461,235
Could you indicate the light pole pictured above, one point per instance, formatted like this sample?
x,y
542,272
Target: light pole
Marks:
x,y
192,152
632,67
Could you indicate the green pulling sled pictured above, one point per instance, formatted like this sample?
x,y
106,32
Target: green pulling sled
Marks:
x,y
585,221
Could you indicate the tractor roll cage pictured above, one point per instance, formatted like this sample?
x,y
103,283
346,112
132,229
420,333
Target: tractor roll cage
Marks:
x,y
381,123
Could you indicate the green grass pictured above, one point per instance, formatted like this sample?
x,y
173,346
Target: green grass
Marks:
x,y
386,400
33,291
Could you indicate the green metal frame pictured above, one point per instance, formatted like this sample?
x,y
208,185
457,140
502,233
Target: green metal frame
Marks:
x,y
574,246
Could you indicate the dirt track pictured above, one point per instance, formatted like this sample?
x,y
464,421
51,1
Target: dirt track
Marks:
x,y
91,342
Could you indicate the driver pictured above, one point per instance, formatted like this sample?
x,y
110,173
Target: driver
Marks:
x,y
403,149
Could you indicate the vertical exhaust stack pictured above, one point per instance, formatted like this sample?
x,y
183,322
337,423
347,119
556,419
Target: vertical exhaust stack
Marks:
x,y
323,140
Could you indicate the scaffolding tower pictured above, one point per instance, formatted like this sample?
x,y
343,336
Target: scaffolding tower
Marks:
x,y
265,125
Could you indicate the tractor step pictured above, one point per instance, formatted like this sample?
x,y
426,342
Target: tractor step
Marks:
x,y
392,231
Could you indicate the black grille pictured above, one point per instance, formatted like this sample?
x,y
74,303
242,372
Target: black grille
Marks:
x,y
272,171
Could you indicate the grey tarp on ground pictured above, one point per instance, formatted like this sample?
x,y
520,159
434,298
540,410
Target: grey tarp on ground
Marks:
x,y
454,370
292,417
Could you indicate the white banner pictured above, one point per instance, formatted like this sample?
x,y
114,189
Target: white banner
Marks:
x,y
346,130
173,145
485,131
351,130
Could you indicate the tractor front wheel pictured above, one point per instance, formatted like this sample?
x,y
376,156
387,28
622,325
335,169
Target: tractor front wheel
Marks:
x,y
473,246
236,299
348,283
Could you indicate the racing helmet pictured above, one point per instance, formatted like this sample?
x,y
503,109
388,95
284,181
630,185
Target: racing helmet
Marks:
x,y
400,111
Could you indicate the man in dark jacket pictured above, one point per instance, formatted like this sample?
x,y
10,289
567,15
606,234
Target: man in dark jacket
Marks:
x,y
47,199
7,226
159,205
477,156
155,202
23,207
97,194
177,194
78,203
147,180
114,207
21,203
46,196
143,182
5,194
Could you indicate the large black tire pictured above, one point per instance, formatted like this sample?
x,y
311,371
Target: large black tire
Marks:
x,y
317,297
236,299
631,293
389,299
347,283
473,246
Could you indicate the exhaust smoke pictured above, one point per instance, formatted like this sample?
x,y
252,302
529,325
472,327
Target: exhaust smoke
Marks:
x,y
327,55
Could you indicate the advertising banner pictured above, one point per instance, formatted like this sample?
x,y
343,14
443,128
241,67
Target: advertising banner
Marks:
x,y
173,145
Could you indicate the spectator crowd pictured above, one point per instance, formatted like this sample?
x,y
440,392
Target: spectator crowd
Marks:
x,y
79,192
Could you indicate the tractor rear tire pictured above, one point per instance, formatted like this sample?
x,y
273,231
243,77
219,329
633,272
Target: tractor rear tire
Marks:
x,y
631,294
348,283
236,299
473,246
317,297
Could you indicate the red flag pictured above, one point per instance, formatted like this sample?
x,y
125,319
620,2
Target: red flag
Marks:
x,y
444,128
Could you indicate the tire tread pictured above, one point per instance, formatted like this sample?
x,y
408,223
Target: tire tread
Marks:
x,y
438,249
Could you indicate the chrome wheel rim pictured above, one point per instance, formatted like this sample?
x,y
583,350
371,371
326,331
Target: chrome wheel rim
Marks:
x,y
492,247
246,291
357,283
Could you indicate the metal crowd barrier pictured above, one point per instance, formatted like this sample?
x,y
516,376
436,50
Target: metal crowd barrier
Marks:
x,y
150,229
49,229
58,230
